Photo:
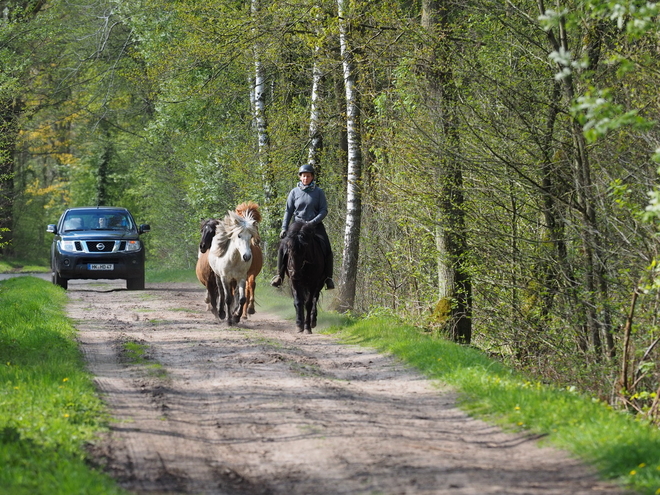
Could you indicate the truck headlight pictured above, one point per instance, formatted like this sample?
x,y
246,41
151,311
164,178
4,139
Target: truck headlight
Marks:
x,y
69,246
132,245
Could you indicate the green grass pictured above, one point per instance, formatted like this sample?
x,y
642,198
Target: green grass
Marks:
x,y
138,354
21,266
621,448
49,408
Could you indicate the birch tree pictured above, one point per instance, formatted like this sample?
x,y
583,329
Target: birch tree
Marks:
x,y
263,138
315,135
349,265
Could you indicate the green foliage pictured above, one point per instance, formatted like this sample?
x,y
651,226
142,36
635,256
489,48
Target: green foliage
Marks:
x,y
49,408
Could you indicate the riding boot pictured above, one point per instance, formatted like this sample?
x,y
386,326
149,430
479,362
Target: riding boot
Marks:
x,y
329,261
279,278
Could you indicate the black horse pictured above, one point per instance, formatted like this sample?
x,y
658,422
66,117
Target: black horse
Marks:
x,y
204,272
305,266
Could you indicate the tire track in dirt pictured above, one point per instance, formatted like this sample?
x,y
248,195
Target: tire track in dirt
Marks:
x,y
260,409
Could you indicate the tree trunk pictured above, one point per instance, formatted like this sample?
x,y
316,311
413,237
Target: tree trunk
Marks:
x,y
271,214
595,282
454,283
103,170
315,136
349,266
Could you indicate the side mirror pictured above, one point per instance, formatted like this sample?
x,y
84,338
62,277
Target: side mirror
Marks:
x,y
144,228
52,228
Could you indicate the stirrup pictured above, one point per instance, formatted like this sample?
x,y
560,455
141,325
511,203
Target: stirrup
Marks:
x,y
277,281
329,284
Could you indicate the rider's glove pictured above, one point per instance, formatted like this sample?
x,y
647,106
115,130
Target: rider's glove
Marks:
x,y
283,234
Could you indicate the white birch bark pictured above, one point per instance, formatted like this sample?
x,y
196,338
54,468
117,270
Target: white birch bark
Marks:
x,y
270,216
315,136
259,105
354,175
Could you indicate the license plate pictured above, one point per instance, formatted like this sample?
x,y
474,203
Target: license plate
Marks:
x,y
100,266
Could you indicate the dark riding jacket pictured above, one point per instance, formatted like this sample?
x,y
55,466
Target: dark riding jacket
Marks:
x,y
305,204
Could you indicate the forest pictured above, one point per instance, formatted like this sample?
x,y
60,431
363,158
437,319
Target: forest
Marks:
x,y
491,167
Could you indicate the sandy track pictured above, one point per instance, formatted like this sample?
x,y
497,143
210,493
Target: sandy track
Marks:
x,y
260,409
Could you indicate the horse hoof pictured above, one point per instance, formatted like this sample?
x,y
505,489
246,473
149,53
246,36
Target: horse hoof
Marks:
x,y
301,330
251,311
308,330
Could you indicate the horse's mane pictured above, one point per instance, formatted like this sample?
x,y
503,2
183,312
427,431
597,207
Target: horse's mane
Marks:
x,y
299,233
251,208
305,251
232,225
302,228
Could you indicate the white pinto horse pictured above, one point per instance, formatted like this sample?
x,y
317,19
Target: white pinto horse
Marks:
x,y
230,258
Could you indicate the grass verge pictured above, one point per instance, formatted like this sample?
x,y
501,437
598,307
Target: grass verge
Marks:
x,y
621,448
22,266
49,408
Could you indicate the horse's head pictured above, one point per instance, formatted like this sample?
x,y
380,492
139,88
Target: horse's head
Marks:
x,y
208,232
299,233
237,231
305,260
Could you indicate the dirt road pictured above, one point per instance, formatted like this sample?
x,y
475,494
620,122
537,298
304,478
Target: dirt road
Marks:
x,y
260,409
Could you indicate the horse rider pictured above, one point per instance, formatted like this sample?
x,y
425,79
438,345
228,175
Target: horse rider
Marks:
x,y
306,203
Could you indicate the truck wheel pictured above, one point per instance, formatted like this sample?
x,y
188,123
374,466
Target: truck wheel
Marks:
x,y
57,280
135,283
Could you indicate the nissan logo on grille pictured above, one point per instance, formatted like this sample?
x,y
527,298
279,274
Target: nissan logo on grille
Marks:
x,y
100,246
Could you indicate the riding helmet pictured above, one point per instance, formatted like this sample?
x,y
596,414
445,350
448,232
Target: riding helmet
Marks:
x,y
307,168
